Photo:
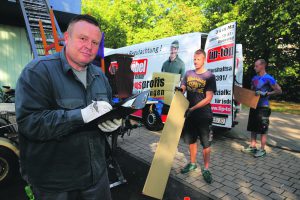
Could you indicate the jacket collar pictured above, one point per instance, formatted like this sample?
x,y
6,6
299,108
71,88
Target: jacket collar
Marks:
x,y
67,67
175,60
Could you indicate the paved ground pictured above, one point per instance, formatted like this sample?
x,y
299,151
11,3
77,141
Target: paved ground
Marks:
x,y
135,173
284,130
236,175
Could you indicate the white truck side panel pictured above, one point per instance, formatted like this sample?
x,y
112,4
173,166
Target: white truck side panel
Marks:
x,y
150,56
220,59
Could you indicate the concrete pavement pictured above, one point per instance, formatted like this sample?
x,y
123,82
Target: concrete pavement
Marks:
x,y
284,130
236,175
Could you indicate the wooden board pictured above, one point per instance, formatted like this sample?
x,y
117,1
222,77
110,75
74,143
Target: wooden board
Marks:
x,y
245,96
164,155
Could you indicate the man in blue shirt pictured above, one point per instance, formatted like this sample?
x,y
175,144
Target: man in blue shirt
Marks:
x,y
264,85
62,153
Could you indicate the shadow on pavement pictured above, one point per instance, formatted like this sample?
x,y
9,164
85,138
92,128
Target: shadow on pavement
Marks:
x,y
135,172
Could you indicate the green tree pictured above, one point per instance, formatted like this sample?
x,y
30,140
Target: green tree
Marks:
x,y
270,30
267,29
127,22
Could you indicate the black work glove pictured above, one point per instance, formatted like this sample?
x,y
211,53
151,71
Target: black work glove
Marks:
x,y
178,89
188,113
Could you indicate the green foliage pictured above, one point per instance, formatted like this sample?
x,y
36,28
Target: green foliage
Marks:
x,y
267,29
127,22
270,30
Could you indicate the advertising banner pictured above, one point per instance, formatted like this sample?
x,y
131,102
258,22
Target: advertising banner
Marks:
x,y
220,60
154,57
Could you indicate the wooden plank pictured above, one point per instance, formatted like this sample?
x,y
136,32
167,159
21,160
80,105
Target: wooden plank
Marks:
x,y
245,96
164,155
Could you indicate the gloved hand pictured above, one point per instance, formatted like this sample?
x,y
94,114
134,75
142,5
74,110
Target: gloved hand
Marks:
x,y
178,89
260,93
95,110
110,125
187,113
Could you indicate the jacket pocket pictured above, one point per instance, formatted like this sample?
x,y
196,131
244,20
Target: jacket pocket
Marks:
x,y
70,103
101,97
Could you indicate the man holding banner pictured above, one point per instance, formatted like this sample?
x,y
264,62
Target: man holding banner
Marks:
x,y
200,85
264,85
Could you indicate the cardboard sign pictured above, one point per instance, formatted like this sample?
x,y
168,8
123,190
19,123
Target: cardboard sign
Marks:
x,y
158,175
246,96
163,87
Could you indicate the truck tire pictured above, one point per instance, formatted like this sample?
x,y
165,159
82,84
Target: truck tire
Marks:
x,y
9,166
152,120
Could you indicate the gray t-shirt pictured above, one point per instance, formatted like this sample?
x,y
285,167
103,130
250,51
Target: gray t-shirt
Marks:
x,y
81,75
196,87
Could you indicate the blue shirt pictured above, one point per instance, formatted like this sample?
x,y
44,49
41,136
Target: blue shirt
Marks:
x,y
58,152
263,83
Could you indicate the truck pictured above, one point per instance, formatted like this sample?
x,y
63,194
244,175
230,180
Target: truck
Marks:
x,y
224,59
138,68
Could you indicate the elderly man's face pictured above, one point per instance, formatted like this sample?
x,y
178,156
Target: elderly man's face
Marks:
x,y
82,43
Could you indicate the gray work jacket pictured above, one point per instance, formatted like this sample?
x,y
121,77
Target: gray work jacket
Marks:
x,y
58,152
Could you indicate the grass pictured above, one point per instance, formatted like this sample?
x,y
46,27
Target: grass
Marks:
x,y
286,107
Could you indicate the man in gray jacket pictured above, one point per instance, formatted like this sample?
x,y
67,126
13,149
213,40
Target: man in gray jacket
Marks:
x,y
61,153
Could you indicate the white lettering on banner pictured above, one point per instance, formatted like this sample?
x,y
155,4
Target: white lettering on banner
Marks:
x,y
221,108
139,66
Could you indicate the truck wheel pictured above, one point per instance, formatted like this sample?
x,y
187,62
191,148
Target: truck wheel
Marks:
x,y
9,165
152,120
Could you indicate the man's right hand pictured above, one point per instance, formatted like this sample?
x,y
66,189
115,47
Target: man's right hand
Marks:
x,y
95,110
260,93
178,89
188,113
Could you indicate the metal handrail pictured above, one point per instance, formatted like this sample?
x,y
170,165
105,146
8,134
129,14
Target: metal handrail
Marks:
x,y
60,35
31,39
